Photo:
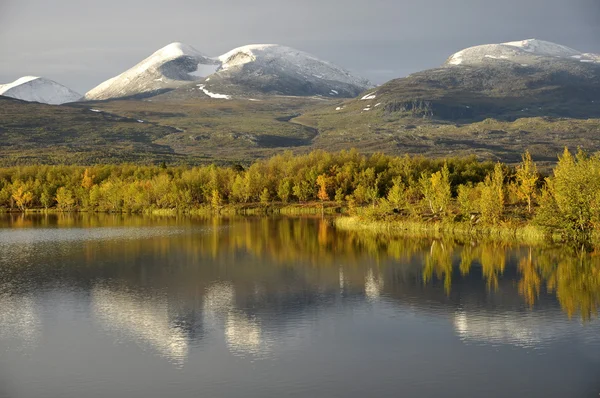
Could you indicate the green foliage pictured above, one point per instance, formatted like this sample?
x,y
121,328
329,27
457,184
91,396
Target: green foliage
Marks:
x,y
491,202
436,191
265,196
284,190
571,200
65,200
397,194
527,179
468,199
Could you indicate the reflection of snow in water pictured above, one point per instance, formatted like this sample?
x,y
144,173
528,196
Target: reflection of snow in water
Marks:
x,y
19,321
243,333
144,319
373,286
518,329
219,298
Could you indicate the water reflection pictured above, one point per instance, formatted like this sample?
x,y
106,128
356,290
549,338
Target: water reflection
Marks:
x,y
242,332
20,323
145,320
196,291
515,328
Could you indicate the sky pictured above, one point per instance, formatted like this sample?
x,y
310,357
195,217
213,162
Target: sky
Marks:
x,y
80,43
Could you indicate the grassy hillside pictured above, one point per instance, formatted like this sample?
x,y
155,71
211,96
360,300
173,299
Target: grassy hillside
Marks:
x,y
366,125
175,132
230,131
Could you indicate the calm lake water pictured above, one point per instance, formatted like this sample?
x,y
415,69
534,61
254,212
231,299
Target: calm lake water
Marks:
x,y
115,306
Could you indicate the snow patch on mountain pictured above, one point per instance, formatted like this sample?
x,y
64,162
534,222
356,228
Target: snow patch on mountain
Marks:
x,y
518,51
369,97
540,47
288,60
213,95
170,67
39,89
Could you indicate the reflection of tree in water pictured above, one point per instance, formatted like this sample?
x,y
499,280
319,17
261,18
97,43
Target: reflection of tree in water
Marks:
x,y
292,257
576,281
439,263
572,275
530,283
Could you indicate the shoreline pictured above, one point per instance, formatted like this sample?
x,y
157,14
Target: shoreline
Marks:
x,y
520,234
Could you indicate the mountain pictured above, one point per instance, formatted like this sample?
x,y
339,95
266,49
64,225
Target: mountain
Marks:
x,y
525,53
506,81
39,89
254,70
259,100
277,70
172,66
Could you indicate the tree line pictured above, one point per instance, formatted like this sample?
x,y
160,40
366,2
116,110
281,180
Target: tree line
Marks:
x,y
378,186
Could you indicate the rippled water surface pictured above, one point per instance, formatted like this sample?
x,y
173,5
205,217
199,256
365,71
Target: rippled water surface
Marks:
x,y
114,306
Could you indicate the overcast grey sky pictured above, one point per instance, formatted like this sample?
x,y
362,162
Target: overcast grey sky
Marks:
x,y
81,43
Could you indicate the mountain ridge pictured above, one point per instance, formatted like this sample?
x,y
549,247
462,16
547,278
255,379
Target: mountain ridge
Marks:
x,y
39,89
248,70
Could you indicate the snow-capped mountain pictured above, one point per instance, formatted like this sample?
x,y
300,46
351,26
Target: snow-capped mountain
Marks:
x,y
39,89
172,66
525,52
275,69
503,81
248,70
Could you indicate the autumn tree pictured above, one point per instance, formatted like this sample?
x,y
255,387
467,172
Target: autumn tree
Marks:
x,y
22,197
396,195
491,202
571,201
437,191
322,183
284,190
216,201
65,200
88,180
527,177
265,196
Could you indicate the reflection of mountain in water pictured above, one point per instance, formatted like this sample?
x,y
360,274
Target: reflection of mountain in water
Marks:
x,y
515,328
243,333
251,283
20,322
146,319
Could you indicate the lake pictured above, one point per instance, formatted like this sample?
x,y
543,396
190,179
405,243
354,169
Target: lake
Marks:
x,y
125,306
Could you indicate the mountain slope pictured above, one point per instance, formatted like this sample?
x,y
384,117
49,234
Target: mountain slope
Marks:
x,y
525,52
188,132
172,66
273,69
39,89
249,71
504,81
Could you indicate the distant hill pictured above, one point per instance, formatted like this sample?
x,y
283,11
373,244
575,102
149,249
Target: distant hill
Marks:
x,y
39,89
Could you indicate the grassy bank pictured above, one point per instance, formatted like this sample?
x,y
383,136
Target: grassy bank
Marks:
x,y
246,209
525,234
